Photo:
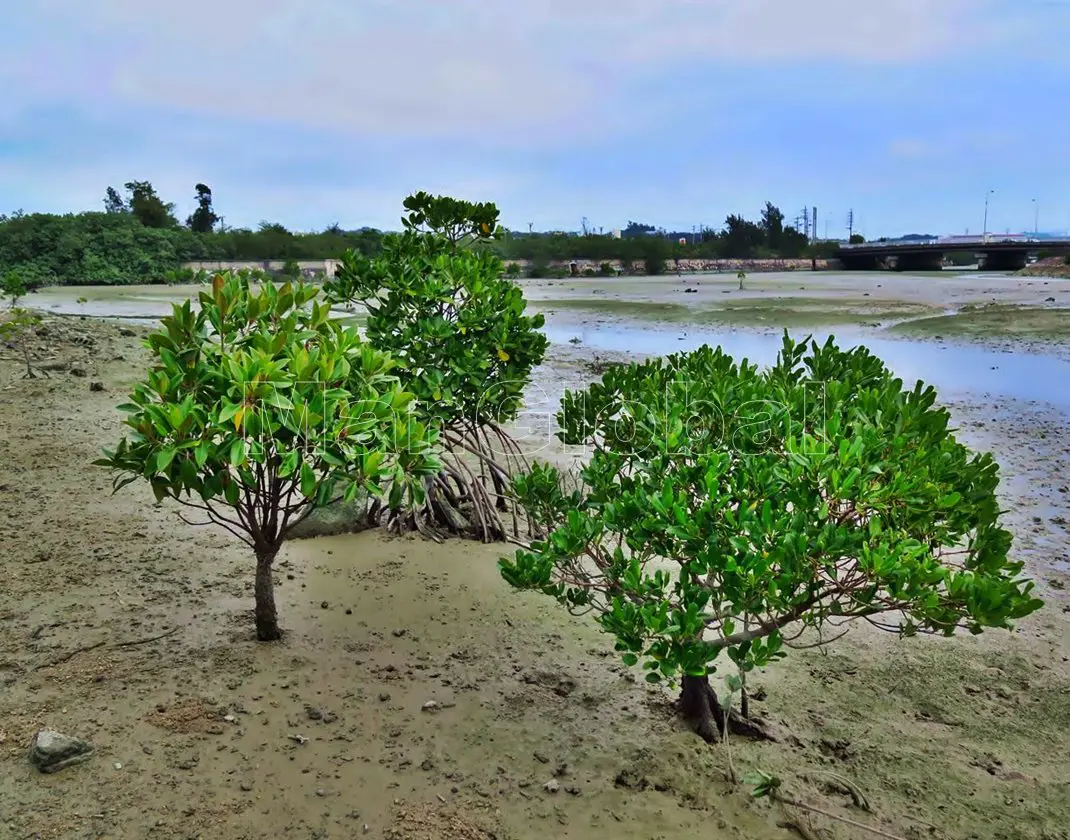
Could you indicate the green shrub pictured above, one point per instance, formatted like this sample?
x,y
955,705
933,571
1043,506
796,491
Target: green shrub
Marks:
x,y
440,304
725,509
259,408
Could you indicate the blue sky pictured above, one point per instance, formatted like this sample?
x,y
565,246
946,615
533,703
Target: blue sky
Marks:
x,y
671,112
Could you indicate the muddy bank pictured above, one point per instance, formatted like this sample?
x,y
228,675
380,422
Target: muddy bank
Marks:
x,y
1047,267
122,625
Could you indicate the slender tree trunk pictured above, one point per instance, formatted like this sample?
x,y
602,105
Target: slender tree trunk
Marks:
x,y
29,364
267,619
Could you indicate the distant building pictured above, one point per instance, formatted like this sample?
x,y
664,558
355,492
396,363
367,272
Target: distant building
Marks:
x,y
615,233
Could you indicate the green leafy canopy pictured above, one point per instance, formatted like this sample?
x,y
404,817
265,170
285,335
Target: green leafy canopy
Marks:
x,y
723,504
455,324
260,402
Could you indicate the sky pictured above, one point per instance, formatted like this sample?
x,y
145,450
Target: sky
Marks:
x,y
667,112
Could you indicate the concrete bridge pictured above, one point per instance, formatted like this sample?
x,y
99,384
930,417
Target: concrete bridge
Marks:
x,y
995,253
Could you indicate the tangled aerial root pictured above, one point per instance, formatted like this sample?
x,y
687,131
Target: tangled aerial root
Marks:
x,y
471,496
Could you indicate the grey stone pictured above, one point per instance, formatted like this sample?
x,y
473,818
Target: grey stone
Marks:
x,y
52,751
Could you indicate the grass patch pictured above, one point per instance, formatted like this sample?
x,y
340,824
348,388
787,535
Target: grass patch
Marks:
x,y
994,321
749,311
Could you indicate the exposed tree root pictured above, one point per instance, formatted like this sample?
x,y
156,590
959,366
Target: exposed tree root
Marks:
x,y
699,706
471,497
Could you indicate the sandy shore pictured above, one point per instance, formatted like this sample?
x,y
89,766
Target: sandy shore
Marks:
x,y
203,733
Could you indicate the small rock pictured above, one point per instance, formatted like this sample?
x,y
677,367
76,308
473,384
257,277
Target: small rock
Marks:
x,y
564,688
313,713
247,786
78,371
298,739
52,751
551,786
427,765
118,765
398,633
542,759
431,706
384,696
349,611
631,780
96,386
575,791
320,792
229,718
126,332
324,605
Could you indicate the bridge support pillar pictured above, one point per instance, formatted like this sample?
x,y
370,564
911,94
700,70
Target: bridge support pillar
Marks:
x,y
929,261
863,262
1003,260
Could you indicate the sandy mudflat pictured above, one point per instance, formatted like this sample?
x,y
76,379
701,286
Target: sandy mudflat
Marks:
x,y
203,733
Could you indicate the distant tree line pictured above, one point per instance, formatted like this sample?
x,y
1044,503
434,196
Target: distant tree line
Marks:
x,y
138,239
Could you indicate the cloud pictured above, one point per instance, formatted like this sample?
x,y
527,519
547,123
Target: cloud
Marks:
x,y
517,72
675,112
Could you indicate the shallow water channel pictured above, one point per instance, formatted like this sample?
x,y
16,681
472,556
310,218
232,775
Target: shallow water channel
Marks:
x,y
957,369
954,369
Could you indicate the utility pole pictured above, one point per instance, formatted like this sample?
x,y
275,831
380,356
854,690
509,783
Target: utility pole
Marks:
x,y
531,225
984,231
1036,218
850,224
815,224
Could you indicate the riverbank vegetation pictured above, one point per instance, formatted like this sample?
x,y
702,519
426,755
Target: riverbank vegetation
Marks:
x,y
138,239
720,511
993,320
266,408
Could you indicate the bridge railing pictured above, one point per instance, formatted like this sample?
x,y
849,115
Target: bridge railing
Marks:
x,y
957,243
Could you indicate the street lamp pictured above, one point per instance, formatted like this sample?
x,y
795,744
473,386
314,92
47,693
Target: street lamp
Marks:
x,y
984,231
1036,218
